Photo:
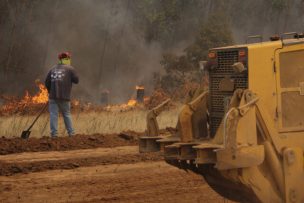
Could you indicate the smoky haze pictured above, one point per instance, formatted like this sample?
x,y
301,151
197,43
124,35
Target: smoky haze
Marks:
x,y
109,43
108,50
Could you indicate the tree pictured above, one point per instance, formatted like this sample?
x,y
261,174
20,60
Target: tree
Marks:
x,y
215,32
162,20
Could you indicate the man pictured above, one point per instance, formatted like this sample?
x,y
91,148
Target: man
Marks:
x,y
59,84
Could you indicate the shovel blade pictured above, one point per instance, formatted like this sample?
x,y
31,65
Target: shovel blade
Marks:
x,y
25,134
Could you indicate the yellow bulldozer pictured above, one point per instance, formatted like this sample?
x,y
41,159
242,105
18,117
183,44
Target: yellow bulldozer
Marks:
x,y
245,134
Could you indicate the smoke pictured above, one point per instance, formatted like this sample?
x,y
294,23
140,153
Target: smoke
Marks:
x,y
109,52
108,49
263,17
109,44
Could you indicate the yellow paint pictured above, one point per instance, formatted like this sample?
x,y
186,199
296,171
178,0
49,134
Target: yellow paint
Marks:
x,y
251,145
264,80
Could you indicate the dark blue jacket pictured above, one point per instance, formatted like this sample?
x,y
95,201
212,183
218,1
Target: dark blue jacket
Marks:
x,y
59,82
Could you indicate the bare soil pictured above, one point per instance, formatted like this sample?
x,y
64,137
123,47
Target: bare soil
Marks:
x,y
104,172
18,145
140,182
43,161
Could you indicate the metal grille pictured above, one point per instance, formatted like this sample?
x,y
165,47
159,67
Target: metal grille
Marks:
x,y
224,69
225,60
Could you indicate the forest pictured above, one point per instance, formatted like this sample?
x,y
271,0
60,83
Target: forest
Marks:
x,y
119,44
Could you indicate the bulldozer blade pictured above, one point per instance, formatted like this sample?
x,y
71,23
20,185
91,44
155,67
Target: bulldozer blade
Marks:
x,y
25,134
240,158
149,144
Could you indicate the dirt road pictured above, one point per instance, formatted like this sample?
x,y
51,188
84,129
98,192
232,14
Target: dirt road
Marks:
x,y
117,174
140,182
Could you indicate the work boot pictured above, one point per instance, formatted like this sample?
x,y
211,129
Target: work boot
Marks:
x,y
54,136
72,134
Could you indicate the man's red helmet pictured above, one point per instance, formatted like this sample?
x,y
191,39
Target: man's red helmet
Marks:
x,y
64,55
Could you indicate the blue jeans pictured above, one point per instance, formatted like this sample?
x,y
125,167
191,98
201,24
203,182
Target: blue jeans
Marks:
x,y
64,107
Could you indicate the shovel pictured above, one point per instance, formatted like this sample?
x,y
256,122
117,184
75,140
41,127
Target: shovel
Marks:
x,y
26,134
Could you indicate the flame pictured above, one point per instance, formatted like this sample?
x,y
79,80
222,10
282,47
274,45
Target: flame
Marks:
x,y
131,102
13,105
122,107
138,87
42,96
75,102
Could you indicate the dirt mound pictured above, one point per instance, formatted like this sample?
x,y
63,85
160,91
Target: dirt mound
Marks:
x,y
18,145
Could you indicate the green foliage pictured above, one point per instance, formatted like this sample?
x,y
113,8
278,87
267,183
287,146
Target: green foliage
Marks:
x,y
279,4
158,17
214,33
172,62
161,18
169,22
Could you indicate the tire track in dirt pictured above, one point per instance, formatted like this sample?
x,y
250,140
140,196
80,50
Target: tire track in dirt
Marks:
x,y
42,161
94,168
138,182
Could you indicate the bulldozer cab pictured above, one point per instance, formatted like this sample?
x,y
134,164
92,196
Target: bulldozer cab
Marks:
x,y
289,68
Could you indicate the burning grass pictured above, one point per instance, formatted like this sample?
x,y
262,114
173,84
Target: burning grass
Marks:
x,y
26,104
17,114
31,104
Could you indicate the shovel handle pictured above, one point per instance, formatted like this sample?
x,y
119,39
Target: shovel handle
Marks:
x,y
40,113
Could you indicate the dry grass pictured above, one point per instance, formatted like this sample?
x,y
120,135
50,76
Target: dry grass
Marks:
x,y
87,123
